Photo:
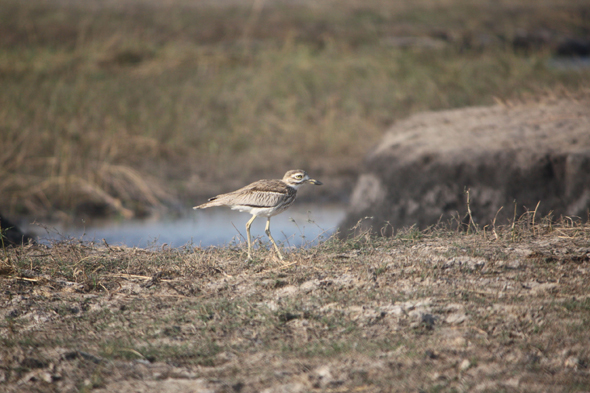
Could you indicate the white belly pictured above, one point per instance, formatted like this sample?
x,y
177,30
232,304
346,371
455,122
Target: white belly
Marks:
x,y
259,211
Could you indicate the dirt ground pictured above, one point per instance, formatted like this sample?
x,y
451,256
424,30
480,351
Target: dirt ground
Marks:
x,y
503,310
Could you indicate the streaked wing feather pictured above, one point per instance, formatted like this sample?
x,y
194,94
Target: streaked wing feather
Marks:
x,y
259,198
263,193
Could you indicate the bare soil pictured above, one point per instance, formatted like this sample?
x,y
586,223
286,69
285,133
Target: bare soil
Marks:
x,y
432,311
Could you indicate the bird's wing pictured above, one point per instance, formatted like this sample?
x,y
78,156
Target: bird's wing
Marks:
x,y
263,193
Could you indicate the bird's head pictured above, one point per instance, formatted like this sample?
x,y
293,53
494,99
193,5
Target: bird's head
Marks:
x,y
298,177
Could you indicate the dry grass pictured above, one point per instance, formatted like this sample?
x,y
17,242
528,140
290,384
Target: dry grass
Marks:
x,y
131,104
435,310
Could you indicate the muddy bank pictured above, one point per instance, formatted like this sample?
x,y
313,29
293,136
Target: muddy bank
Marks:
x,y
513,158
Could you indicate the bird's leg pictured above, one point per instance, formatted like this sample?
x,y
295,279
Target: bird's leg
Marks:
x,y
248,225
267,230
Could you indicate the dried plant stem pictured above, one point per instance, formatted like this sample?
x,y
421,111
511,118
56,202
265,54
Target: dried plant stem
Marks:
x,y
469,212
534,214
513,229
494,223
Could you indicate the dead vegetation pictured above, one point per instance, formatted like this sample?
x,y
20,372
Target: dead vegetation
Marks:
x,y
121,106
438,310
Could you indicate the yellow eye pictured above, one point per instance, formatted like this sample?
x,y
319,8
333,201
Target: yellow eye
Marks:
x,y
299,176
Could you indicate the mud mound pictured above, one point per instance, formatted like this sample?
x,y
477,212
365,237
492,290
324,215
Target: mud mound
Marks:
x,y
505,155
11,235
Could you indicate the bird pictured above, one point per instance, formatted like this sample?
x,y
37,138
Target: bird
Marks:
x,y
264,198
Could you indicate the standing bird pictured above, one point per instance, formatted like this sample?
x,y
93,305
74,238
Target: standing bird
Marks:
x,y
264,198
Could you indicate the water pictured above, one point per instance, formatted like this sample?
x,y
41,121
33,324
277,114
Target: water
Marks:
x,y
301,225
569,63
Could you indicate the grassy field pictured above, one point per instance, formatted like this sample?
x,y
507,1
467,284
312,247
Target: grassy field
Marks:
x,y
127,105
505,310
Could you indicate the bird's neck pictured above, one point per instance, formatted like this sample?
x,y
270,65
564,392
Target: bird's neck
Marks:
x,y
294,186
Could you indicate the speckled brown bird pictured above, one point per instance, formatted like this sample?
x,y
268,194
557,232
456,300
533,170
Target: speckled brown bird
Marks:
x,y
265,198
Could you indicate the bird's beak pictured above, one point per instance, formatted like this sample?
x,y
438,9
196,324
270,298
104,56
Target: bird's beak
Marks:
x,y
316,182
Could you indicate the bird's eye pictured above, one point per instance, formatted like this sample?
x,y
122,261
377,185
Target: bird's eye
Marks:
x,y
299,177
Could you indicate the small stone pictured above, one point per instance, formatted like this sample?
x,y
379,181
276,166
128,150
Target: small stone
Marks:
x,y
438,377
309,286
465,364
572,362
324,373
460,342
321,377
46,377
272,306
422,319
287,291
512,382
513,264
456,318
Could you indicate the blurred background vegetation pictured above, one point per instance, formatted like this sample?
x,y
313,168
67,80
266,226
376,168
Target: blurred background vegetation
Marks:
x,y
123,106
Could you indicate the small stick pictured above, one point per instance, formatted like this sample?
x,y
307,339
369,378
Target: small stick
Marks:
x,y
28,279
513,221
494,222
534,214
469,212
125,275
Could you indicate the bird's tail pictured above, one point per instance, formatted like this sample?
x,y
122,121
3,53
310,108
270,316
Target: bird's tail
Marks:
x,y
211,203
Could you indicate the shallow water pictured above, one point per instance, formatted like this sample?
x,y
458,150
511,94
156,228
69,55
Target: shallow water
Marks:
x,y
301,225
569,63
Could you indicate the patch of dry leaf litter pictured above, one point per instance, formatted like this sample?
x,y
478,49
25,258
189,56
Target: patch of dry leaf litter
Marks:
x,y
449,312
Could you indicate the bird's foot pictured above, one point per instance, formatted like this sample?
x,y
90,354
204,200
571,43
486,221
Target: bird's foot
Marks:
x,y
252,260
280,258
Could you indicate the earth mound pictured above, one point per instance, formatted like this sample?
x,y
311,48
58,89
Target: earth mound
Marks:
x,y
526,156
11,235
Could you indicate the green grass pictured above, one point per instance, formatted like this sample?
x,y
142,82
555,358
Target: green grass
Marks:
x,y
140,104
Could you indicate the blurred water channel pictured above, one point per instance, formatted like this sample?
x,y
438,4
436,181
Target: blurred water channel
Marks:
x,y
569,63
301,225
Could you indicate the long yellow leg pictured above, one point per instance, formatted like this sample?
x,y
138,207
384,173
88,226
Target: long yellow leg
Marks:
x,y
248,225
267,230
